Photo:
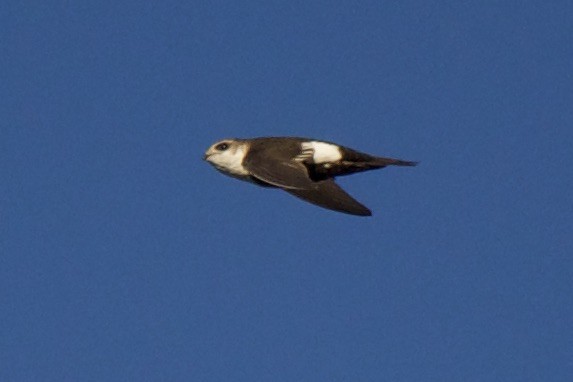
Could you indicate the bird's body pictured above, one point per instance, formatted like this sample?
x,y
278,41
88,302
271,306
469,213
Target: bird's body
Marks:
x,y
306,168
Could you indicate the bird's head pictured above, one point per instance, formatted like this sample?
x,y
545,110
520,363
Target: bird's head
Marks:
x,y
227,155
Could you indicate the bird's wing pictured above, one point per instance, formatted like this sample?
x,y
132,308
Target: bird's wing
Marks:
x,y
278,169
328,194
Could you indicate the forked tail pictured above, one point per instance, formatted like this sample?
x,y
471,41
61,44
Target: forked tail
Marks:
x,y
379,161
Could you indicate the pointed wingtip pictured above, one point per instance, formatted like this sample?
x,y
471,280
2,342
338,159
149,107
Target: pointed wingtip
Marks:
x,y
360,213
406,163
363,213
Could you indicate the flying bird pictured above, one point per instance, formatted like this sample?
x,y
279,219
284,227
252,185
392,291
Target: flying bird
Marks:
x,y
303,167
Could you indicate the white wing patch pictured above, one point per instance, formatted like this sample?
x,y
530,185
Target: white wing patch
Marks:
x,y
322,152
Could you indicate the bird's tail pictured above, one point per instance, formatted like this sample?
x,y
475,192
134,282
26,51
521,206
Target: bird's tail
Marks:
x,y
382,162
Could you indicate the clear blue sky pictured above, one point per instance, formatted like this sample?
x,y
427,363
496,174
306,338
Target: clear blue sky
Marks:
x,y
125,257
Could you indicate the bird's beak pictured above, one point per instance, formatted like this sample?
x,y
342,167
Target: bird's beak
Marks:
x,y
205,156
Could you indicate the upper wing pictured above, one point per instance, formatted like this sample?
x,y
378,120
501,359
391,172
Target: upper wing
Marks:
x,y
277,168
328,194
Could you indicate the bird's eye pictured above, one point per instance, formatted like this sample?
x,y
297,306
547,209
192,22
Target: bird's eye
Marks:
x,y
222,147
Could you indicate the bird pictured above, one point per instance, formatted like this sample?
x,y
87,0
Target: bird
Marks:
x,y
303,167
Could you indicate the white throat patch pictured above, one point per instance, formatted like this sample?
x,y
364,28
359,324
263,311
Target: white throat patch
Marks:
x,y
322,152
230,161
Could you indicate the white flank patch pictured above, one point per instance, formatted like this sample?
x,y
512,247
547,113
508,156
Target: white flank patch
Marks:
x,y
323,152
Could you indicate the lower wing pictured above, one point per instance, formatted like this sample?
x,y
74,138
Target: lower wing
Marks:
x,y
328,194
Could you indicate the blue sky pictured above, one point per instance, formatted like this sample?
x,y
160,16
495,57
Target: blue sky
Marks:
x,y
124,256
